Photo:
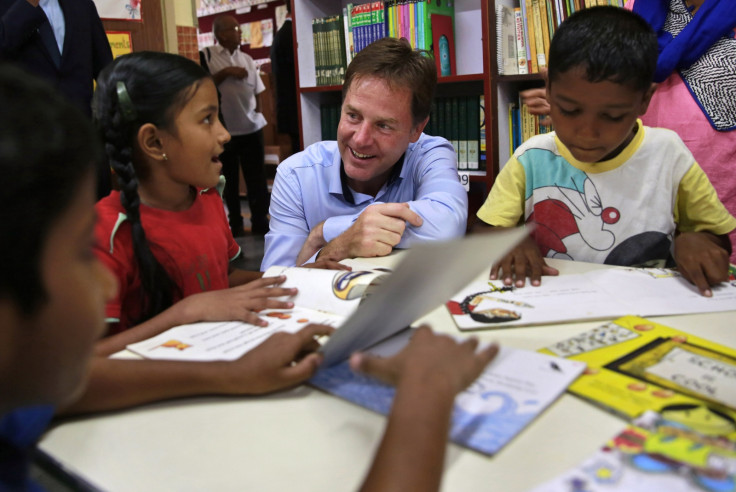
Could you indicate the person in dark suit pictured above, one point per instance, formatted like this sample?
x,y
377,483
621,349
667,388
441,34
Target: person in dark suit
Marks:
x,y
27,38
282,67
64,43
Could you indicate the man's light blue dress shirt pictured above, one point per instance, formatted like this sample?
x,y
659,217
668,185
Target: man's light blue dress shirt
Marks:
x,y
309,190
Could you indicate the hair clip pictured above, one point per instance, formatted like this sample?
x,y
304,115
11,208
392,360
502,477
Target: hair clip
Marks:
x,y
126,105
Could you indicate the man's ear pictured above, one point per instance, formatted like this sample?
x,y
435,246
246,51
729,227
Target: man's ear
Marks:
x,y
647,98
150,142
418,129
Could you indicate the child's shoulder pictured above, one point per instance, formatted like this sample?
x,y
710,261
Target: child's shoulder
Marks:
x,y
658,135
544,142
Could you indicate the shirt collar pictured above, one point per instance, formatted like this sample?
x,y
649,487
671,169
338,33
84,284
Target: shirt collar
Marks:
x,y
392,177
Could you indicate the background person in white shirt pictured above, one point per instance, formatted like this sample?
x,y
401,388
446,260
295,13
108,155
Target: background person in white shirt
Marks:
x,y
239,84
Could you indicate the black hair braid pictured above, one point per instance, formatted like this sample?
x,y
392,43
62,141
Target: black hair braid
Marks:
x,y
157,285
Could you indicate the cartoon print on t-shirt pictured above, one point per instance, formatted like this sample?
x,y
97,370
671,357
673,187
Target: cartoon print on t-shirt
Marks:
x,y
570,217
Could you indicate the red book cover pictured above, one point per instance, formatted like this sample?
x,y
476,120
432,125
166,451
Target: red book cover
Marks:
x,y
443,43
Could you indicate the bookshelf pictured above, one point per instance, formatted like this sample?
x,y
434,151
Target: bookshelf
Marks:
x,y
472,64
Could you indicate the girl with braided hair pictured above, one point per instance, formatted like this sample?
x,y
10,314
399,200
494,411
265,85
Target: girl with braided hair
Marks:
x,y
165,234
165,238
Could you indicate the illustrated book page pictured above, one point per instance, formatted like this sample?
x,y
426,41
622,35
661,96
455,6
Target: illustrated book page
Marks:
x,y
515,387
599,294
651,456
324,297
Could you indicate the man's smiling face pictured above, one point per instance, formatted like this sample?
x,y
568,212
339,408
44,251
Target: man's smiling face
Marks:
x,y
375,129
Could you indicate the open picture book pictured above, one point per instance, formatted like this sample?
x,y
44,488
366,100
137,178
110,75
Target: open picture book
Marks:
x,y
598,294
367,305
324,297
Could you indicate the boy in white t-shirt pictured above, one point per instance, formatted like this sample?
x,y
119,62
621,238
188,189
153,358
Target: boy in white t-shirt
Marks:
x,y
604,188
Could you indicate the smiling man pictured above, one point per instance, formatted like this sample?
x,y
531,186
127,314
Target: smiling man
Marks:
x,y
384,184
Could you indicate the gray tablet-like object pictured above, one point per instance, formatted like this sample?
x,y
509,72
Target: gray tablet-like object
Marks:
x,y
427,276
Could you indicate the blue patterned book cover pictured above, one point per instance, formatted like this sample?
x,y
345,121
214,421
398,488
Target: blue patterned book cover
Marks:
x,y
513,390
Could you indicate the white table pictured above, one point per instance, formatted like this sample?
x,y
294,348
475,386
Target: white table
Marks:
x,y
307,440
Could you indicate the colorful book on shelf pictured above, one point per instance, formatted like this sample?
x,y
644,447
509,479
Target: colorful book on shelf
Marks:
x,y
543,6
473,115
538,34
521,59
599,294
636,365
443,42
461,116
482,157
515,388
506,57
656,456
348,28
528,14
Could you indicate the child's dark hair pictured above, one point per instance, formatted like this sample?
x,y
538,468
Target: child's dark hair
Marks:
x,y
608,44
47,148
135,89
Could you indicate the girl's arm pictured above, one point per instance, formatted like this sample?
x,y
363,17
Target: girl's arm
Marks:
x,y
236,276
234,304
278,363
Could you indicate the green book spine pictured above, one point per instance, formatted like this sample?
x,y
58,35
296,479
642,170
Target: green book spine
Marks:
x,y
473,117
441,123
432,123
462,132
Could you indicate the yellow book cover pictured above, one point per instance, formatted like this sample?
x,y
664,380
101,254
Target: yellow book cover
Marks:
x,y
527,124
530,32
545,26
412,24
636,365
538,34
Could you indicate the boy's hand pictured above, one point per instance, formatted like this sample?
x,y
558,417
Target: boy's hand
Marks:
x,y
702,258
432,359
523,261
239,303
282,361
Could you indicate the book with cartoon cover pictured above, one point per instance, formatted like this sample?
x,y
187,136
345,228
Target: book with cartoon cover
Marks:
x,y
636,365
655,454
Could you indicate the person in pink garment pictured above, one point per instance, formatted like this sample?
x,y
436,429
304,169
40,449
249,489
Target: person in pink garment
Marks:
x,y
673,105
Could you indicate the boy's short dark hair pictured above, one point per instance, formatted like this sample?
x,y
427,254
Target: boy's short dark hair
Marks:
x,y
394,61
609,44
